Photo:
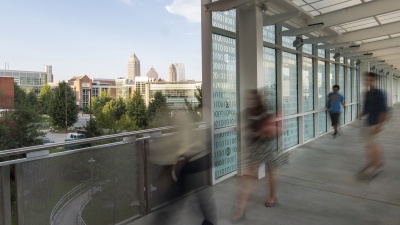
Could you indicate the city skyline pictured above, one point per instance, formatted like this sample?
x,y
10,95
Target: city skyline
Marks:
x,y
100,36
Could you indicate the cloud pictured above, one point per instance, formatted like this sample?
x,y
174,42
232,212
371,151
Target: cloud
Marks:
x,y
128,2
190,9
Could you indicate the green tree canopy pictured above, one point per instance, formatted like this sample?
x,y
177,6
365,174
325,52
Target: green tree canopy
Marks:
x,y
136,110
116,108
64,112
45,99
159,113
99,102
19,128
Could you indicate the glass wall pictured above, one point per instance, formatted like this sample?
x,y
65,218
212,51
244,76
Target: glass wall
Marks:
x,y
308,127
270,79
332,75
308,84
321,85
289,82
290,133
342,92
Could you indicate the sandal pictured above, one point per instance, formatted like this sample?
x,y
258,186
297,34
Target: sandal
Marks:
x,y
270,204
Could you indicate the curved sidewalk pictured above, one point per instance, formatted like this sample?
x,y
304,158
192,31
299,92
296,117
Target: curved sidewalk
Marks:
x,y
69,214
318,187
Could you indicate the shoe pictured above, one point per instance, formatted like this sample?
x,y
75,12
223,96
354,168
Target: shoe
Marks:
x,y
369,173
235,219
270,204
335,133
205,222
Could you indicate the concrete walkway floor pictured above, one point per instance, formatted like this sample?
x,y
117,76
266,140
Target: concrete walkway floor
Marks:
x,y
318,187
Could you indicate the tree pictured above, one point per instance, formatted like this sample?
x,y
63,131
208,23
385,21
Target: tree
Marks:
x,y
195,112
136,109
159,113
99,102
116,108
45,99
92,128
64,112
19,128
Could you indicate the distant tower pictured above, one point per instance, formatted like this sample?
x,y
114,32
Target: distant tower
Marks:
x,y
49,70
180,71
133,68
152,74
172,73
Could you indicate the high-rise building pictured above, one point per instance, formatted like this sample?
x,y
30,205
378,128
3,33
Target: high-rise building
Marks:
x,y
49,70
172,73
133,68
180,72
152,74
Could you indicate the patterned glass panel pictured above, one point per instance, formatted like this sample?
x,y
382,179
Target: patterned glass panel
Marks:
x,y
321,85
307,48
225,153
308,127
332,74
224,81
224,20
321,53
289,76
348,91
270,79
291,133
322,122
308,84
287,41
269,34
342,91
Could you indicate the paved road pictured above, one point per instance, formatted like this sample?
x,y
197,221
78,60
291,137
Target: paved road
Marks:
x,y
60,137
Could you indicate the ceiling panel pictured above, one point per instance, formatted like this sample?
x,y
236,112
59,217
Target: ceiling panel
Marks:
x,y
375,39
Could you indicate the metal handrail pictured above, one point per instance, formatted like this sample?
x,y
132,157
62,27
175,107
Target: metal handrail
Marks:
x,y
18,151
11,152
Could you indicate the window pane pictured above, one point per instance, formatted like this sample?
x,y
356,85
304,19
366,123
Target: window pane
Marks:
x,y
289,76
322,122
332,74
269,34
270,79
291,133
348,91
225,20
321,84
308,85
287,41
348,114
341,91
354,111
308,127
307,48
224,81
321,53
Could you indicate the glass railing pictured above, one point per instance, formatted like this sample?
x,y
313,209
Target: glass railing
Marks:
x,y
111,179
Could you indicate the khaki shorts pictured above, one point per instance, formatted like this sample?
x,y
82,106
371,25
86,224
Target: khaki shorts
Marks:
x,y
370,137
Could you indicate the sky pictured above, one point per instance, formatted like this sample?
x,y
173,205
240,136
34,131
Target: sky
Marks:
x,y
97,37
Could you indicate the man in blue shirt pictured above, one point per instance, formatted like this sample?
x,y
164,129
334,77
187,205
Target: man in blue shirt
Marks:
x,y
376,110
333,105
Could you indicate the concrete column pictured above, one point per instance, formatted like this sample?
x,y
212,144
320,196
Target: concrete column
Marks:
x,y
389,92
250,59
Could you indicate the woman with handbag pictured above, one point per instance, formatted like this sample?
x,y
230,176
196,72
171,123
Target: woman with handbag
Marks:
x,y
260,134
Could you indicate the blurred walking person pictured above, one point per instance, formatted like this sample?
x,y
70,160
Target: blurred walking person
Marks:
x,y
333,105
260,149
376,110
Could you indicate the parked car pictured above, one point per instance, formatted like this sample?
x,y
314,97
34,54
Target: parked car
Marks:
x,y
73,137
47,141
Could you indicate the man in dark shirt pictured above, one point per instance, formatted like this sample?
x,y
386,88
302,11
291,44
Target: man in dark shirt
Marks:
x,y
376,111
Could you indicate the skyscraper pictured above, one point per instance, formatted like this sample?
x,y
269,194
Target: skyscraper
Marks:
x,y
152,74
172,73
180,72
133,68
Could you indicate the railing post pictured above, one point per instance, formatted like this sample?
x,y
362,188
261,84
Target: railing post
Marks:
x,y
147,187
5,215
19,194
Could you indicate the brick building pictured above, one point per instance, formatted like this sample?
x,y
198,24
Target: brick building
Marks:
x,y
6,93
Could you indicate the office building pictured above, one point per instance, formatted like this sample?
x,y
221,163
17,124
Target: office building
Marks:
x,y
133,68
30,80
